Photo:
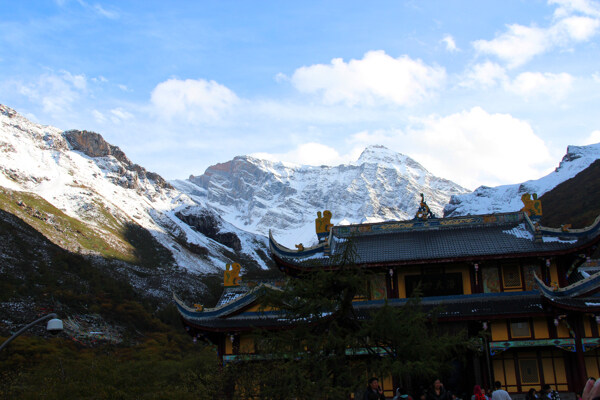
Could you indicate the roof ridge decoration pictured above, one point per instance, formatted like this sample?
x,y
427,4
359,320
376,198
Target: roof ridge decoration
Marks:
x,y
323,225
227,308
437,223
533,208
563,231
423,212
302,252
231,275
577,289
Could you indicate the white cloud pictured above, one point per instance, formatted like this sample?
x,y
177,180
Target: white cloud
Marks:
x,y
519,43
593,138
517,46
56,93
576,29
485,75
119,114
448,40
104,12
281,77
99,79
471,148
568,7
307,154
98,116
596,77
376,78
96,8
530,84
195,100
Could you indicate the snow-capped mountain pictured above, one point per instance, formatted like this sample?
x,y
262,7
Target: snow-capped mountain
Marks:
x,y
101,195
259,195
506,198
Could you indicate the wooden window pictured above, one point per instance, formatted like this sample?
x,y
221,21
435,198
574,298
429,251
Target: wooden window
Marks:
x,y
511,276
438,284
529,371
520,329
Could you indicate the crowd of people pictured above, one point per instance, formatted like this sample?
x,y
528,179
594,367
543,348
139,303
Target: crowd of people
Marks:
x,y
591,391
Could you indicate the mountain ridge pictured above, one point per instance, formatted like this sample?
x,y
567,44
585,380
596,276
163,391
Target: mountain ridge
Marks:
x,y
93,181
507,198
260,195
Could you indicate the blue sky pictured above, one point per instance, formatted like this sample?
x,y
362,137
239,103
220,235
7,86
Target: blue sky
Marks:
x,y
482,93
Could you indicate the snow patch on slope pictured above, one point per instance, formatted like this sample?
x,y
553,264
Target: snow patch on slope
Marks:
x,y
507,198
258,195
38,159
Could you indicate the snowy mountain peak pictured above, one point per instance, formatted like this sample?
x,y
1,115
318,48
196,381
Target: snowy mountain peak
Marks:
x,y
507,198
94,183
258,195
381,155
576,152
375,153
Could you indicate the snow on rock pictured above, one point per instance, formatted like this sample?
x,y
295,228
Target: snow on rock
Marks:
x,y
507,198
93,181
258,195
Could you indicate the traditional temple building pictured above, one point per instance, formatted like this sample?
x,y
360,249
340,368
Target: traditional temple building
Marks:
x,y
535,290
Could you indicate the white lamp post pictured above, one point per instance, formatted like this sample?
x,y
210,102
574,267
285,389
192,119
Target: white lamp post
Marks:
x,y
54,326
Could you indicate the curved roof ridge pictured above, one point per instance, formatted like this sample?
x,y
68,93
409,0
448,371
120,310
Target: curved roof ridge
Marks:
x,y
226,308
578,288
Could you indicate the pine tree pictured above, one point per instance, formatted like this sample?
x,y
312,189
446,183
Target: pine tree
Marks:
x,y
328,349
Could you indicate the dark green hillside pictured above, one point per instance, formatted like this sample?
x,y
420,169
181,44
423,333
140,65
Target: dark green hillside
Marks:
x,y
117,239
575,201
148,356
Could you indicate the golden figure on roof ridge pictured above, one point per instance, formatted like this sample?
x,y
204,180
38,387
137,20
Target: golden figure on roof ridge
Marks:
x,y
533,208
423,213
323,225
232,275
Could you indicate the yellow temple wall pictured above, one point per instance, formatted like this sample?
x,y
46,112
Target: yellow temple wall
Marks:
x,y
400,283
562,331
553,369
499,331
588,324
228,345
553,273
540,328
592,362
587,328
246,344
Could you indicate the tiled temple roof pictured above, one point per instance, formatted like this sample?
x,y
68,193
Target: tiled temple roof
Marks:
x,y
470,238
460,307
436,240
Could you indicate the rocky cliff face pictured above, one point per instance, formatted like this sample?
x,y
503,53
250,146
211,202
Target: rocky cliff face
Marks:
x,y
210,225
93,145
259,195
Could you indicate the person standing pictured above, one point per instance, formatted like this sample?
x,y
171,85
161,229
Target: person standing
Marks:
x,y
373,391
499,393
437,392
479,393
531,395
547,393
